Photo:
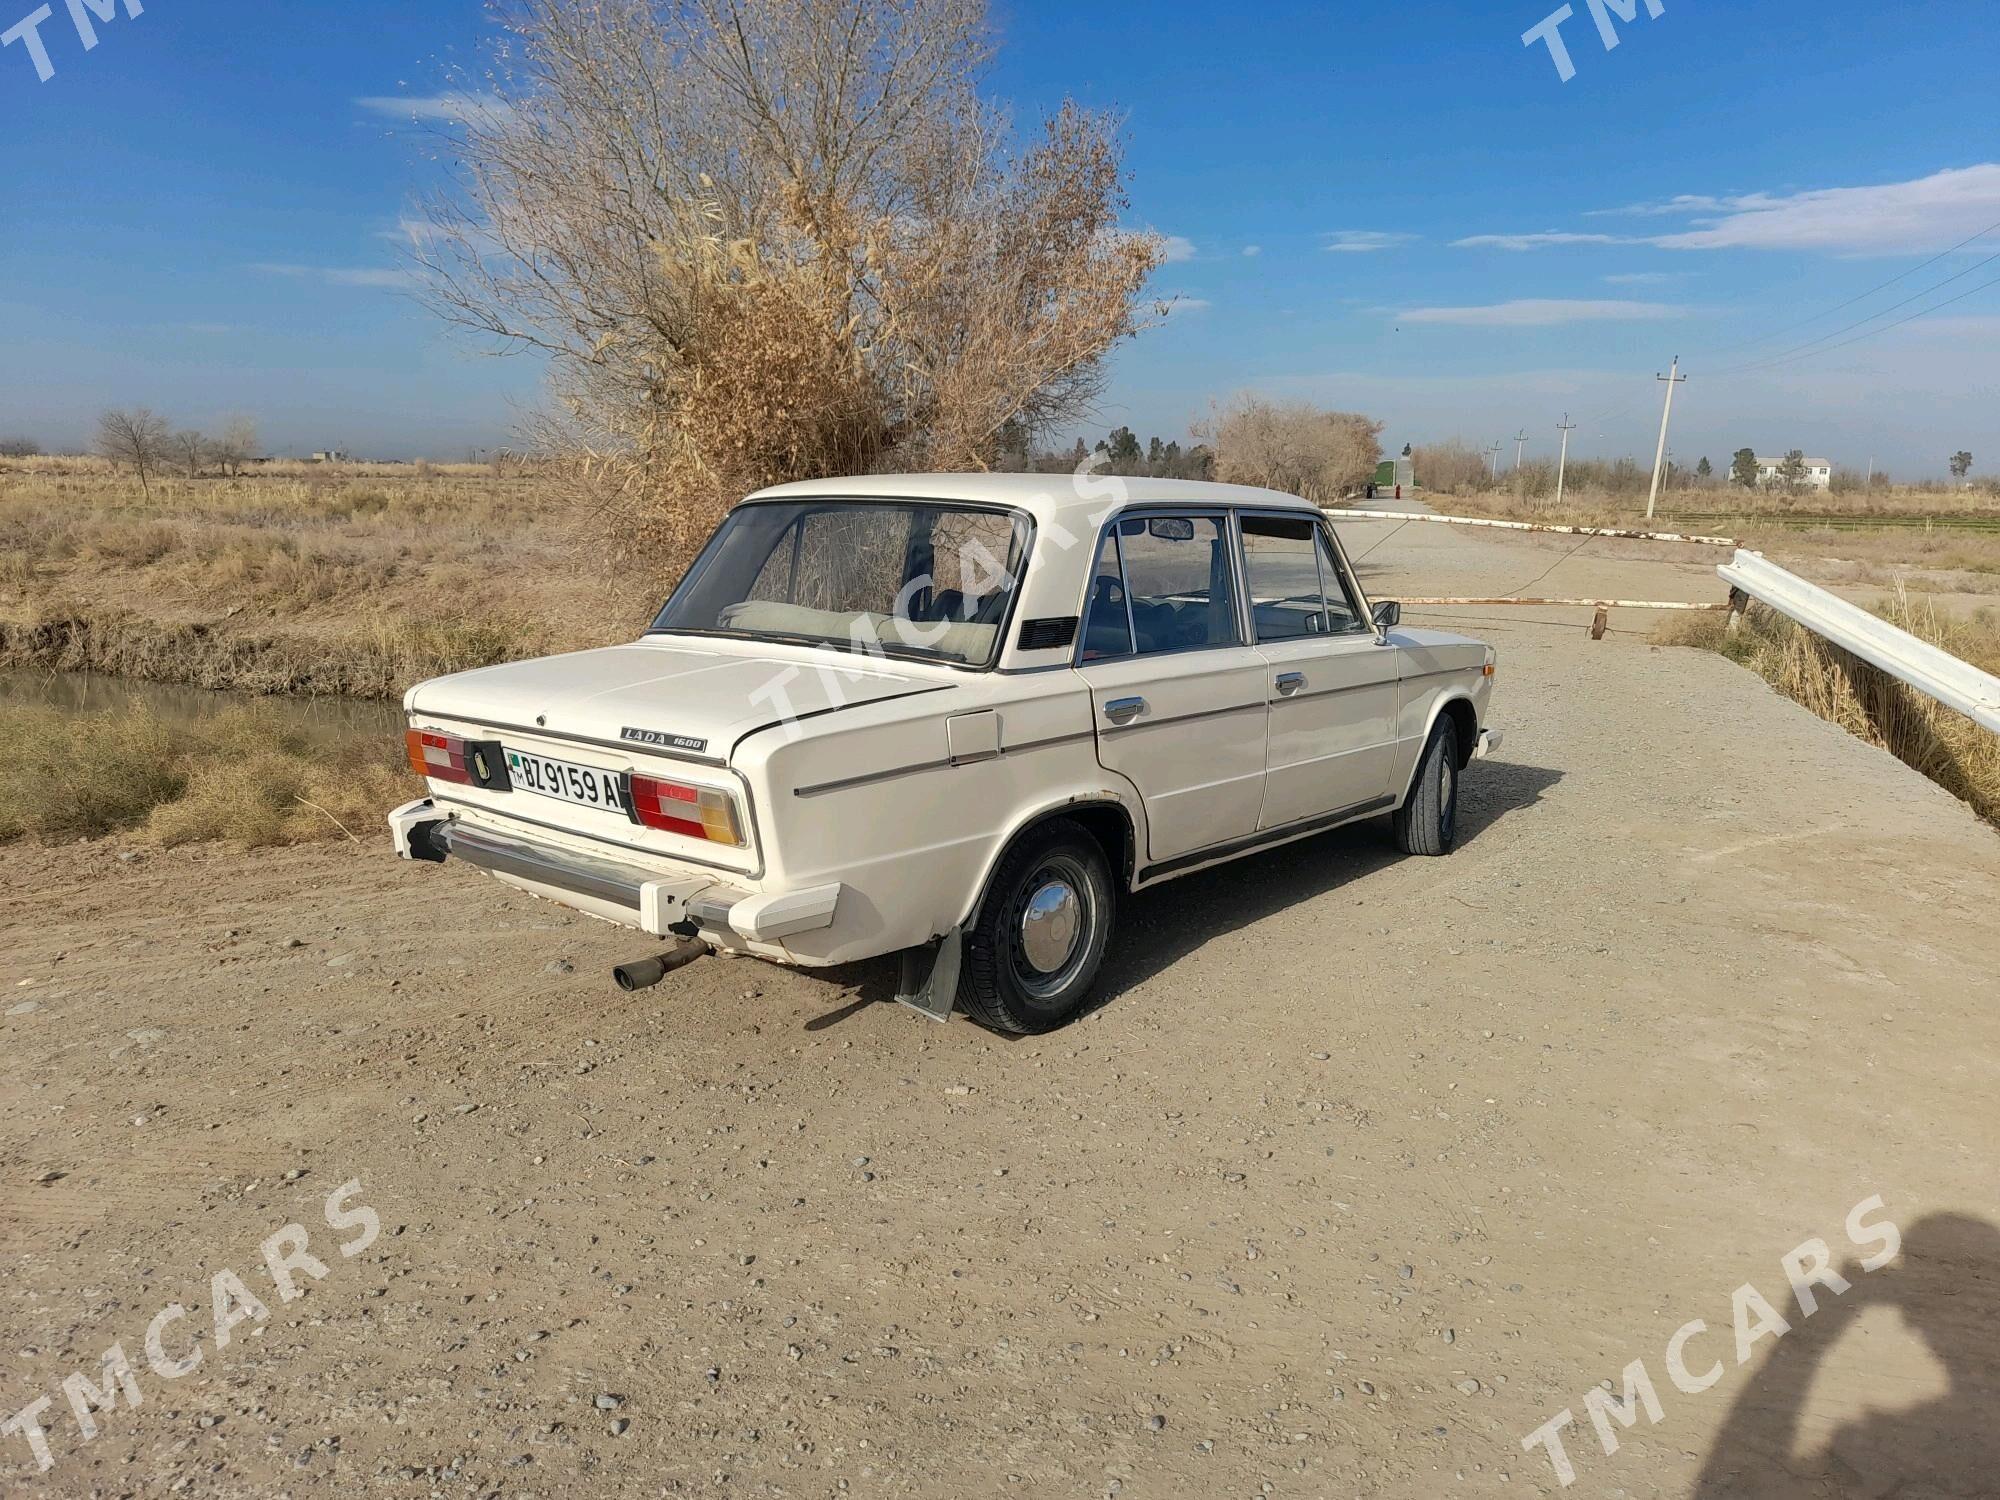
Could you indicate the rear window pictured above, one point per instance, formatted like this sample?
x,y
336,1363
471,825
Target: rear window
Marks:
x,y
900,579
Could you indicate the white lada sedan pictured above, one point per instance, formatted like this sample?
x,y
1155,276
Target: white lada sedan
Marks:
x,y
953,716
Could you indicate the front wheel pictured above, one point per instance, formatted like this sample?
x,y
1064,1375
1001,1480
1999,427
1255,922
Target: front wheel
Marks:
x,y
1033,952
1427,822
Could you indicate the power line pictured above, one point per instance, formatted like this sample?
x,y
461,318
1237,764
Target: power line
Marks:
x,y
1760,364
1863,297
1859,338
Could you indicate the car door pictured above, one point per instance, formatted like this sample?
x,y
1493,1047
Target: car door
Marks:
x,y
1332,679
1177,692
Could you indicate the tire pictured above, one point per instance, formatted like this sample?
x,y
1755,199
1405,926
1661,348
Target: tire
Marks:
x,y
1028,973
1427,822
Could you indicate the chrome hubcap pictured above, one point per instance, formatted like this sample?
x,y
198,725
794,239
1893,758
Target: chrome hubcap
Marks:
x,y
1050,924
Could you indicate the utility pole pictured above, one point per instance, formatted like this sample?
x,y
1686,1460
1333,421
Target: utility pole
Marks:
x,y
1672,379
1519,443
1566,427
1494,454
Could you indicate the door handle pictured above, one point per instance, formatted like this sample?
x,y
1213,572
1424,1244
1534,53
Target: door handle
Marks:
x,y
1290,682
1124,710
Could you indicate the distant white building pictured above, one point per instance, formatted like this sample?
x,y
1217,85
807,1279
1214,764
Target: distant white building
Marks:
x,y
1818,476
330,456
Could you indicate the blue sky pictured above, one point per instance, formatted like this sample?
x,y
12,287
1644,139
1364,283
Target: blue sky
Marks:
x,y
199,214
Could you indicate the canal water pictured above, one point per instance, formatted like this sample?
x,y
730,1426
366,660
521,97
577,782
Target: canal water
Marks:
x,y
332,720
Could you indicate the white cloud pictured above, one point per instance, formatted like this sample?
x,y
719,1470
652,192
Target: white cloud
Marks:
x,y
1686,203
1179,305
1540,313
438,108
1919,217
1541,241
1177,248
1644,278
376,276
1253,250
1365,241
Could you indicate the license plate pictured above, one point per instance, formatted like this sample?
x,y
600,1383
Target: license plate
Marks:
x,y
565,780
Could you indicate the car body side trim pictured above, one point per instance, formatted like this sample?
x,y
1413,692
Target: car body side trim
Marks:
x,y
819,789
1207,713
1257,840
1333,692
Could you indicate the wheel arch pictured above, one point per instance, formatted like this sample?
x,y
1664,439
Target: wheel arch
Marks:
x,y
1114,818
1458,703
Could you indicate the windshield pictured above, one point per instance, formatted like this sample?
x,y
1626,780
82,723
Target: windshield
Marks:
x,y
893,578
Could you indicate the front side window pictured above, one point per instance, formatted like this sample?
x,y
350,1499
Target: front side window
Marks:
x,y
1107,623
1281,557
1182,587
1343,609
902,579
1297,587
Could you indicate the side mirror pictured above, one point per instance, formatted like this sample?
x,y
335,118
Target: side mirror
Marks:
x,y
1388,615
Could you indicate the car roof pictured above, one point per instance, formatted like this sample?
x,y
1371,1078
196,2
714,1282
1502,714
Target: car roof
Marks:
x,y
1075,499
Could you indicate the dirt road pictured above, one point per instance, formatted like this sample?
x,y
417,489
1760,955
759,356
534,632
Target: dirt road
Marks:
x,y
1368,1167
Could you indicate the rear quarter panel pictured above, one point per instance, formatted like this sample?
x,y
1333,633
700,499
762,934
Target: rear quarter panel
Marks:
x,y
874,798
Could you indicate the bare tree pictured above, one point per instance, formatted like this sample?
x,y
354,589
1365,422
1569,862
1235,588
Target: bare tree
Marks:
x,y
237,446
190,450
767,239
1295,446
137,439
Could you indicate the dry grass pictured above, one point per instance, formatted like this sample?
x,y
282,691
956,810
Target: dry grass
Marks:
x,y
243,777
332,579
1944,745
240,776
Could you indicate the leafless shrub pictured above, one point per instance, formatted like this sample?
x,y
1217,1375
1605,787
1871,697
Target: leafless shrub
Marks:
x,y
136,440
19,447
1296,447
769,239
1451,468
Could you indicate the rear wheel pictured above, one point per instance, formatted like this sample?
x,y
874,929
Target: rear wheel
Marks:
x,y
1427,822
1033,952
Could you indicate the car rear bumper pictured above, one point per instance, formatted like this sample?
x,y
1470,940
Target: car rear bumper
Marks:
x,y
667,903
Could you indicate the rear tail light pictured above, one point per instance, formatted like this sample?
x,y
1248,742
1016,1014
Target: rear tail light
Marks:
x,y
694,812
442,757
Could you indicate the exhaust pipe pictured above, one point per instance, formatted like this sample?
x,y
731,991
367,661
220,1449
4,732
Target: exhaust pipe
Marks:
x,y
645,972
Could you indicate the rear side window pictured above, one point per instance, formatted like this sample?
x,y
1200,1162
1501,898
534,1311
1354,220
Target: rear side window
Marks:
x,y
1182,590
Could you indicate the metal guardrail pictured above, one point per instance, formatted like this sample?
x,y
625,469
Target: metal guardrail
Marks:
x,y
1957,684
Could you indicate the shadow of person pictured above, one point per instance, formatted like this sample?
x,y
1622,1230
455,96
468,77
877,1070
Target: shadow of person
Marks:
x,y
1946,1287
